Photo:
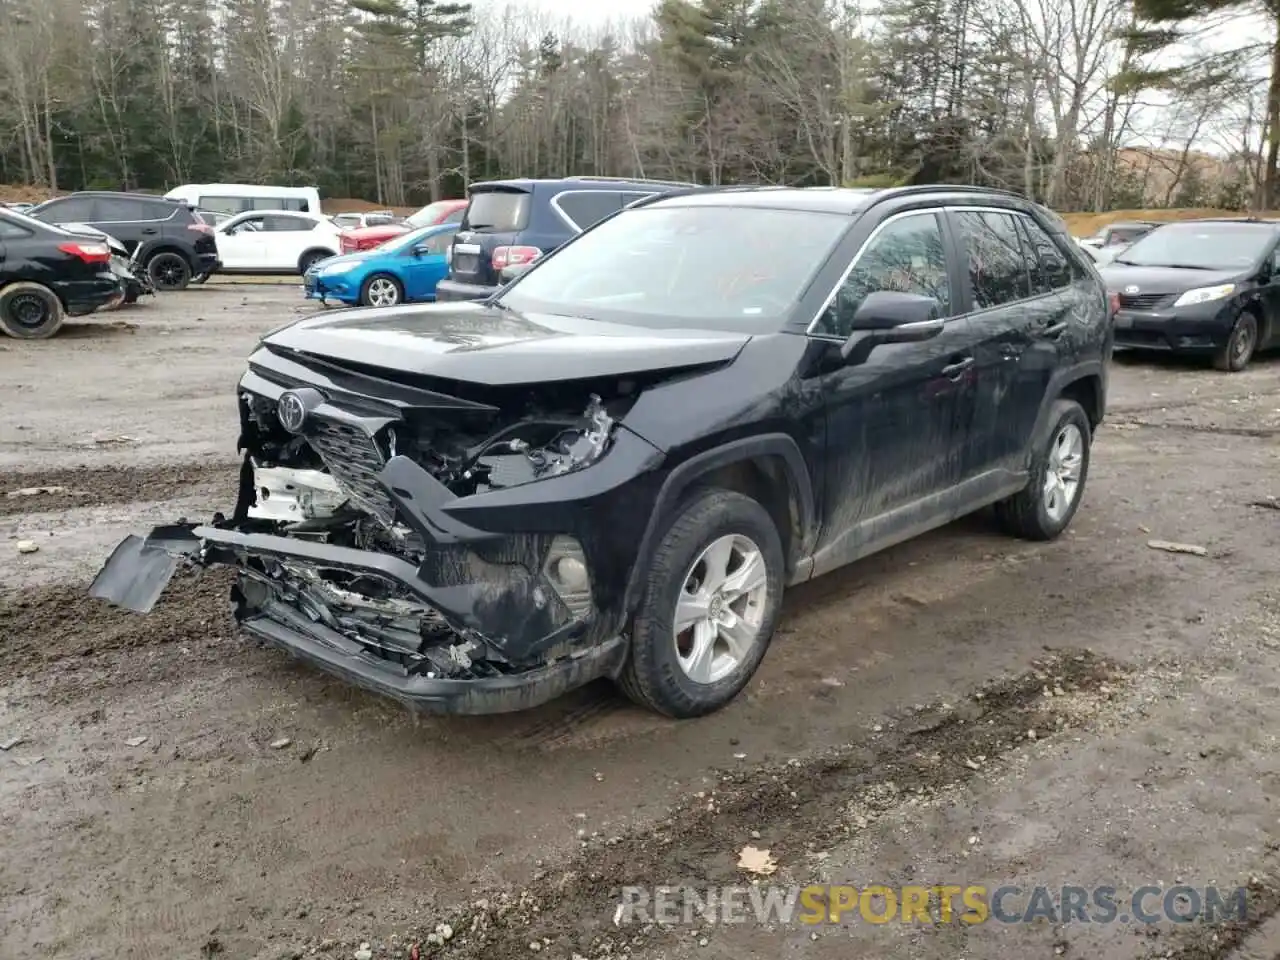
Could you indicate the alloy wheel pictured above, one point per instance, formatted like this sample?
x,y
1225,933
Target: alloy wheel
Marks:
x,y
1062,475
720,609
383,293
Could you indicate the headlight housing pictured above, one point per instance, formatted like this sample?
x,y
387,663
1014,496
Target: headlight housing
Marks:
x,y
1205,295
334,269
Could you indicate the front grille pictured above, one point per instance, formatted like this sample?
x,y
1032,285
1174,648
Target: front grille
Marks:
x,y
354,461
1143,301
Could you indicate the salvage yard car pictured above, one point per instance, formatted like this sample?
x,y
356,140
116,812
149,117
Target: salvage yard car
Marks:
x,y
48,273
275,241
614,467
404,269
1202,287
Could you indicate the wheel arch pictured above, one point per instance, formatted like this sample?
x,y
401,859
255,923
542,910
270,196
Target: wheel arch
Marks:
x,y
768,468
311,252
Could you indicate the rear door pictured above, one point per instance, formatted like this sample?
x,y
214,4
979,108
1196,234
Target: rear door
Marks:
x,y
493,220
1015,313
285,239
131,221
424,266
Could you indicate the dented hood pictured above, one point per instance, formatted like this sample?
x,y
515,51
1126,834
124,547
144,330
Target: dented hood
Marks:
x,y
477,343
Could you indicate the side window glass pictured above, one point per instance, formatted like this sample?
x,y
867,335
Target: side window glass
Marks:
x,y
120,210
75,210
997,263
589,206
438,243
287,224
456,216
228,205
630,198
11,231
907,256
1050,270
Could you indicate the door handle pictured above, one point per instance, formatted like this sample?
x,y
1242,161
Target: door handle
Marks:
x,y
148,230
955,370
1054,330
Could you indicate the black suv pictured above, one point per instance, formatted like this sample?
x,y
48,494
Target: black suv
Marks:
x,y
511,223
176,244
615,467
1207,287
47,274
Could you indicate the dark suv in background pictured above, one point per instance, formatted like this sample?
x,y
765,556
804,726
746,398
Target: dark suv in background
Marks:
x,y
176,243
511,223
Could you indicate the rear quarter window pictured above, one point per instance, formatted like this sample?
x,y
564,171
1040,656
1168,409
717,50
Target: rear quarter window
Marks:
x,y
497,211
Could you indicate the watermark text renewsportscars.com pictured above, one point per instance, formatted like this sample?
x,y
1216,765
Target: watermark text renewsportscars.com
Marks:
x,y
944,903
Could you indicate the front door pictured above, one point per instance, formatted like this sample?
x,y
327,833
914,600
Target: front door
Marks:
x,y
423,270
241,246
896,422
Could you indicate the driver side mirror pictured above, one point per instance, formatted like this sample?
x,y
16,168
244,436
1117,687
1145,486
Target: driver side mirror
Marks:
x,y
421,250
886,316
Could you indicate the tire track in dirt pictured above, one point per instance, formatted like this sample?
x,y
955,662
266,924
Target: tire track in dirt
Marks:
x,y
804,803
101,486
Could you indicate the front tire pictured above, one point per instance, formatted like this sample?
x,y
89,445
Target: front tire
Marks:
x,y
381,290
1044,508
712,595
1240,347
30,311
311,258
169,271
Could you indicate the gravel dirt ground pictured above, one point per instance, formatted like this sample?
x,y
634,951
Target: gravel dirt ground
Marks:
x,y
964,709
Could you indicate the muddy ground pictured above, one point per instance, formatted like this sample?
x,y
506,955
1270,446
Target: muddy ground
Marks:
x,y
965,709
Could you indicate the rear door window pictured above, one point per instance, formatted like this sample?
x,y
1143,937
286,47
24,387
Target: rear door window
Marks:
x,y
998,264
497,211
582,208
123,210
280,224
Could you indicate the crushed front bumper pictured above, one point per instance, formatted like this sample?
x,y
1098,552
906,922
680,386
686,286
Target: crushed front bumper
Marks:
x,y
274,608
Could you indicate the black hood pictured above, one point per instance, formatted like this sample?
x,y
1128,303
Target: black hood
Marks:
x,y
1120,277
477,343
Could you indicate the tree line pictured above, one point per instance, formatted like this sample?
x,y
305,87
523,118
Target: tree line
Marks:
x,y
1082,104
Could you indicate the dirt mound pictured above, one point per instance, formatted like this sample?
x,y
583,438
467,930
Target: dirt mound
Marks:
x,y
11,193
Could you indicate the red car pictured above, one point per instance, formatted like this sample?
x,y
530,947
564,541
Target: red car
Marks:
x,y
366,238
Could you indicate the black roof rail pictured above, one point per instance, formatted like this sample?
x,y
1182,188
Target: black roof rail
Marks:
x,y
668,183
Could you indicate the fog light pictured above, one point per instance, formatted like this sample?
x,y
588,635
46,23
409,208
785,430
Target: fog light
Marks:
x,y
566,569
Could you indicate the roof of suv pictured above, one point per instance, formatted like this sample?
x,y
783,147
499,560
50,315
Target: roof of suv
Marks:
x,y
125,195
843,200
582,183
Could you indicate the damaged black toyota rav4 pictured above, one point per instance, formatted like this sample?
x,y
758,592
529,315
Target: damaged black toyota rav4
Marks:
x,y
614,466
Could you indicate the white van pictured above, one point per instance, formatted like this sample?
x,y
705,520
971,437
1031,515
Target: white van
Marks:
x,y
233,198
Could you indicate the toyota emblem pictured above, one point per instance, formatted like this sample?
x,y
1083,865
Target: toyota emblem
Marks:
x,y
1131,290
291,411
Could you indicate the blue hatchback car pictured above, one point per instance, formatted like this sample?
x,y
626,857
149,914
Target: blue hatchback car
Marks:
x,y
405,269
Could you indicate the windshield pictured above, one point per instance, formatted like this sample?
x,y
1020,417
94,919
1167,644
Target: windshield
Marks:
x,y
1200,246
726,268
19,217
401,241
429,214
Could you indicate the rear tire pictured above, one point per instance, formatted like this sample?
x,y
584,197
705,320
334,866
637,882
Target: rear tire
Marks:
x,y
1240,347
169,270
719,566
381,290
1044,508
30,311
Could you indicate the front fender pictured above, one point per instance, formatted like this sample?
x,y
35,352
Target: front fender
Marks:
x,y
684,475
